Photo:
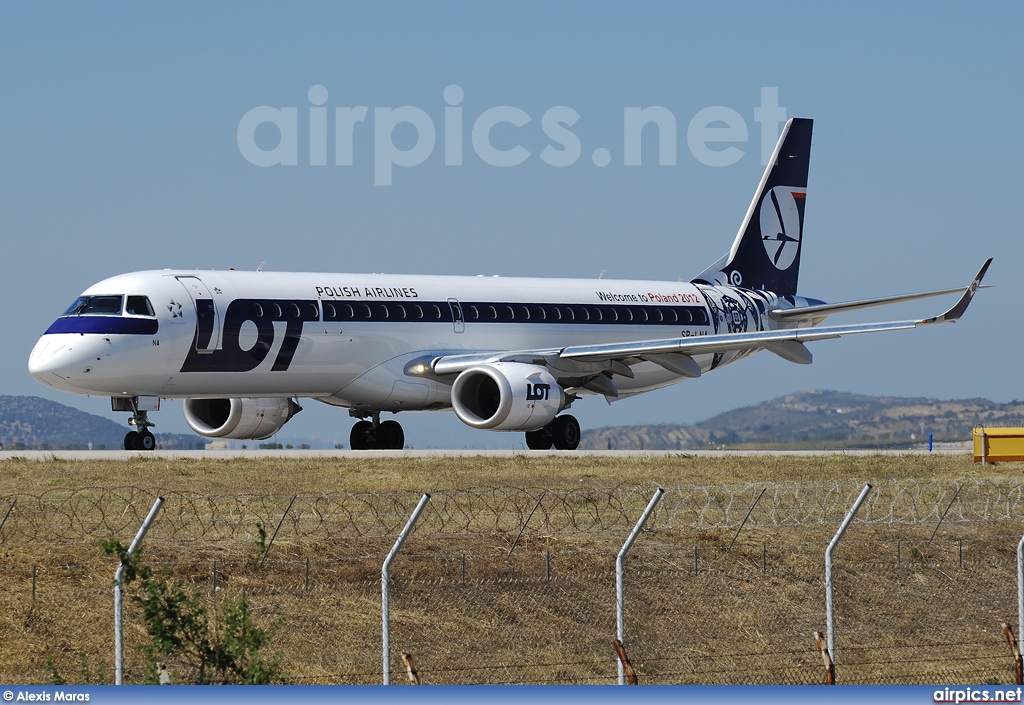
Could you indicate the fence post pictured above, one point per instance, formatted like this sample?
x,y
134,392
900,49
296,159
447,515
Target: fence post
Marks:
x,y
1020,582
1018,662
385,587
941,518
267,549
829,586
620,609
624,662
526,523
118,596
830,667
410,668
744,522
9,510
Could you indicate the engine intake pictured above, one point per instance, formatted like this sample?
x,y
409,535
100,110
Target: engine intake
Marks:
x,y
507,396
245,418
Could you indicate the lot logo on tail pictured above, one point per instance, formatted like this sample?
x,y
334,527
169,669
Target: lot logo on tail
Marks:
x,y
780,224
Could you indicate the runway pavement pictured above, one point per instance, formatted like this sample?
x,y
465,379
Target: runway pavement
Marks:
x,y
218,454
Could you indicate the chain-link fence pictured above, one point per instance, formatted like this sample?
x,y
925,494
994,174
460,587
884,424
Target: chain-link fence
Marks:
x,y
922,582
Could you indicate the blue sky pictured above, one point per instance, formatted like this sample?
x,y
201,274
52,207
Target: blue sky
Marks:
x,y
120,153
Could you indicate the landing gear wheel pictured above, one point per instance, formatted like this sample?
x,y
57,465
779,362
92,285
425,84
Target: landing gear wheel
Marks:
x,y
144,440
390,436
539,439
361,435
565,432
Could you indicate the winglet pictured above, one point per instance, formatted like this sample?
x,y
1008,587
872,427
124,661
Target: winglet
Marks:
x,y
960,306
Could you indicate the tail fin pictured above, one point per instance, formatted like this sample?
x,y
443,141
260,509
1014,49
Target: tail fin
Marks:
x,y
766,252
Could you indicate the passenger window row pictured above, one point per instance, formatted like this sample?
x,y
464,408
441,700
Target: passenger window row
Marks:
x,y
387,312
507,312
283,310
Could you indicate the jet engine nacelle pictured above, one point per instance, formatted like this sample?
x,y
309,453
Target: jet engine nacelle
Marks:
x,y
239,418
507,396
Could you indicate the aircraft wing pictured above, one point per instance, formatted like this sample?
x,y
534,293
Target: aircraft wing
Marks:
x,y
671,353
676,354
818,312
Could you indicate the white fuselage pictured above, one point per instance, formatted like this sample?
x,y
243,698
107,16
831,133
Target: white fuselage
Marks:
x,y
347,339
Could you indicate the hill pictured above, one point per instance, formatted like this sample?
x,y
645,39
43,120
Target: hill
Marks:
x,y
820,418
37,423
812,419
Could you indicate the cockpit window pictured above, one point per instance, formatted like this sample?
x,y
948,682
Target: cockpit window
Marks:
x,y
139,306
96,306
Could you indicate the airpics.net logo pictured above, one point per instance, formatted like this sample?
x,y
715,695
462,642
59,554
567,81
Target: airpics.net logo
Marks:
x,y
269,136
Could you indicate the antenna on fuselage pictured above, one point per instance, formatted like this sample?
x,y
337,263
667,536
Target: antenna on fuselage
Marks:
x,y
260,268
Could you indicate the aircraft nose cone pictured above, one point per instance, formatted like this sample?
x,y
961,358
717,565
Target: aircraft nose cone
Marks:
x,y
50,362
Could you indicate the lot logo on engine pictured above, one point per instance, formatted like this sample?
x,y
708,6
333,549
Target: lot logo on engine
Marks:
x,y
537,392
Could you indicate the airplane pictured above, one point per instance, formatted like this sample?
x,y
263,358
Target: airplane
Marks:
x,y
505,354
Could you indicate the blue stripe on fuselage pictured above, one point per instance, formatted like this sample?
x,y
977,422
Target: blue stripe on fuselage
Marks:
x,y
104,325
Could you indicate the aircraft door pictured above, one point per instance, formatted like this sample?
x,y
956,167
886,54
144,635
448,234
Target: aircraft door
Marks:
x,y
208,328
457,320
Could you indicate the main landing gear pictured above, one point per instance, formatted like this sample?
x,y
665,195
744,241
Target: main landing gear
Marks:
x,y
374,434
563,433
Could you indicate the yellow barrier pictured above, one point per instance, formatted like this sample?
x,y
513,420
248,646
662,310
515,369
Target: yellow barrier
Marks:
x,y
998,445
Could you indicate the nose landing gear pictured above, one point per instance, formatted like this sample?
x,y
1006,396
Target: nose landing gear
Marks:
x,y
143,438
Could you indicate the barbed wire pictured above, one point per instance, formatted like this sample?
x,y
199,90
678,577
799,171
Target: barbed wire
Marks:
x,y
98,513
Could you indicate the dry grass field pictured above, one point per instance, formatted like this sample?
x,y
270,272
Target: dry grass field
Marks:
x,y
924,577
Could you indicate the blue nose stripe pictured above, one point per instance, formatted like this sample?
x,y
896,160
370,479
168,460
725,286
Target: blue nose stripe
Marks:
x,y
105,325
